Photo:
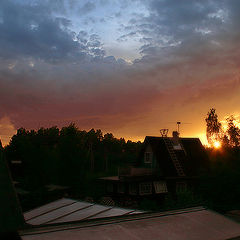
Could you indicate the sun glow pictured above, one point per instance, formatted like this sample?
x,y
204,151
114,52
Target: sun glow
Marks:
x,y
216,144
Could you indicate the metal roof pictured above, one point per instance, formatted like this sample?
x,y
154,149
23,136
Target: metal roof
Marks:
x,y
68,210
195,223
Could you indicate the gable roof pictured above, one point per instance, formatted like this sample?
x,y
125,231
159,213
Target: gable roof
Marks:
x,y
192,158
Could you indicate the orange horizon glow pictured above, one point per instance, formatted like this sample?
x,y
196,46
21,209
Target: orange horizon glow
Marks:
x,y
6,139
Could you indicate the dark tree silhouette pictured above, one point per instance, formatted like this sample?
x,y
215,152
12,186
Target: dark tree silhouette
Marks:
x,y
69,156
233,132
228,138
214,127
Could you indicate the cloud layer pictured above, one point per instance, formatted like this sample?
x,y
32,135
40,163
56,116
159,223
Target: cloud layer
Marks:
x,y
174,60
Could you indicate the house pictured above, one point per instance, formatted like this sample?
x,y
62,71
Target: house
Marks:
x,y
165,164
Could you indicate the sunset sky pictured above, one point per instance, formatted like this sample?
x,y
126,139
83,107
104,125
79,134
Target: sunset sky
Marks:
x,y
126,67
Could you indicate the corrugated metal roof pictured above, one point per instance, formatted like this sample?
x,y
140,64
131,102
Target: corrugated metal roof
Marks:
x,y
68,210
196,223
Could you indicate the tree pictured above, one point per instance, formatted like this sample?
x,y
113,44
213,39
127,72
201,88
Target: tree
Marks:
x,y
228,138
214,127
233,132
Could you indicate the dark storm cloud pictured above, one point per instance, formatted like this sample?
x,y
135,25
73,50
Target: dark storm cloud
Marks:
x,y
172,23
31,31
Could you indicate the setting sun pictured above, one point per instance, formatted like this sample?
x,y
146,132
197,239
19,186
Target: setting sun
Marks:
x,y
217,144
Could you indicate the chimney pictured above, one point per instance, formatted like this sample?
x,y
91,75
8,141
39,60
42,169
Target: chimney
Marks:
x,y
175,136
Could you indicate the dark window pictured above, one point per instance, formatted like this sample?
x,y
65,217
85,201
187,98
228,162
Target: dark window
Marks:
x,y
181,186
148,157
160,187
145,188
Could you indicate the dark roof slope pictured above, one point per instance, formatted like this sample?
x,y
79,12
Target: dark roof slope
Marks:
x,y
11,218
197,157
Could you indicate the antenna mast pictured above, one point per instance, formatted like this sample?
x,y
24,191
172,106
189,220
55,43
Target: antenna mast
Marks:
x,y
164,132
178,126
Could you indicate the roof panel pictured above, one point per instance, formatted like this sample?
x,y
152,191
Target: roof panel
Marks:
x,y
113,212
53,215
83,214
48,207
66,210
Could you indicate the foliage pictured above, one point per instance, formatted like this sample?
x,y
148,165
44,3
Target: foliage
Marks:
x,y
220,187
233,132
215,132
214,127
68,157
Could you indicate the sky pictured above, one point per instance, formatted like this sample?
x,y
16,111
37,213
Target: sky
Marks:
x,y
126,67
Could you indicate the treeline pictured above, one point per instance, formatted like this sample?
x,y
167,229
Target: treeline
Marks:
x,y
221,187
67,156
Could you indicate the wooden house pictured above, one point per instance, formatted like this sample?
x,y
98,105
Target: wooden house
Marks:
x,y
165,164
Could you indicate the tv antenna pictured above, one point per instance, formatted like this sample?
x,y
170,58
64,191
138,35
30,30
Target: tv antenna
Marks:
x,y
164,132
178,125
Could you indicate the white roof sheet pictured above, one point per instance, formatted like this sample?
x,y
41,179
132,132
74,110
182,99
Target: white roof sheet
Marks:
x,y
67,210
46,208
115,212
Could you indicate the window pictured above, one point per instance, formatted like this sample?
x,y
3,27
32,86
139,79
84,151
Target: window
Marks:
x,y
133,189
148,157
181,186
145,188
160,187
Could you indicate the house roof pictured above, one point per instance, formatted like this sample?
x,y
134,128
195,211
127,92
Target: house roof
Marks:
x,y
68,210
194,223
111,178
193,157
11,214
